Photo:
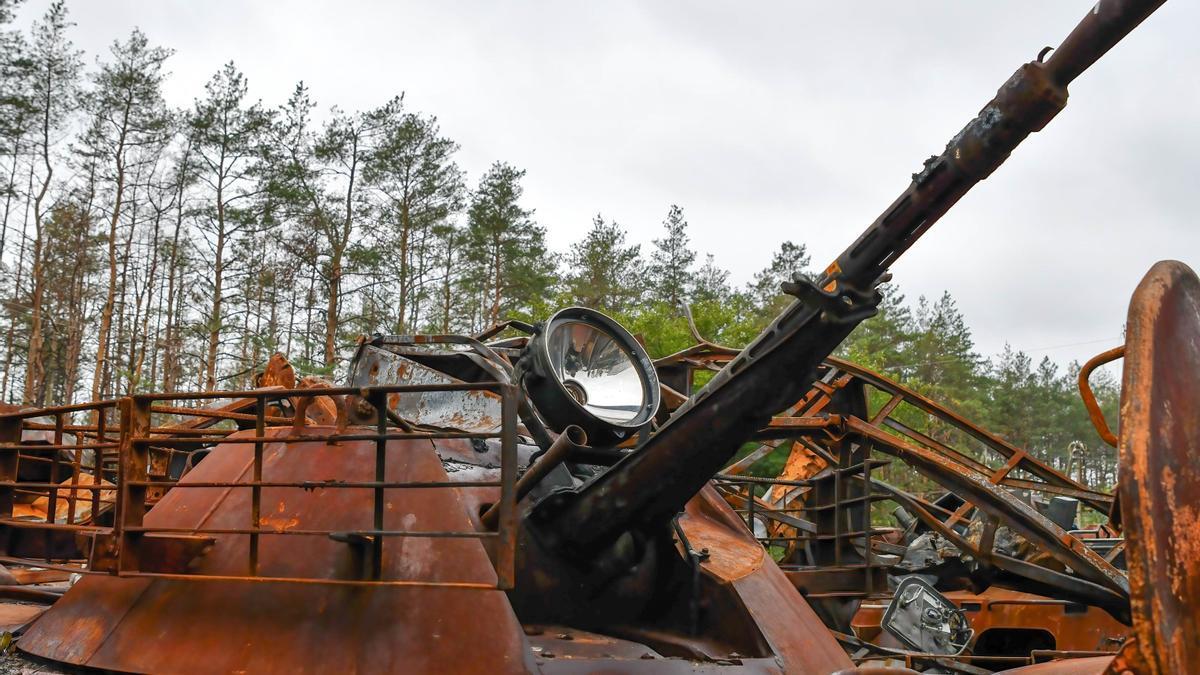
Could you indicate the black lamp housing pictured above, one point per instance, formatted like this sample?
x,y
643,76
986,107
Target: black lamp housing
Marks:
x,y
584,368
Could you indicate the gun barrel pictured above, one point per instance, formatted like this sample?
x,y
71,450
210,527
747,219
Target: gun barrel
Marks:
x,y
653,483
1105,25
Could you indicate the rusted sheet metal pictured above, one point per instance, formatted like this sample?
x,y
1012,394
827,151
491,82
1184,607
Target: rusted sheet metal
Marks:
x,y
163,625
1160,466
465,410
1093,665
277,373
15,616
791,628
81,499
561,650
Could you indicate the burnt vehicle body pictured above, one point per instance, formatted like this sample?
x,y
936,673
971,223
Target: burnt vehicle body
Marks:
x,y
826,534
386,526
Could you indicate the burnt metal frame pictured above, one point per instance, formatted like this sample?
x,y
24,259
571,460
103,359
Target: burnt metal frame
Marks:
x,y
54,537
981,486
122,549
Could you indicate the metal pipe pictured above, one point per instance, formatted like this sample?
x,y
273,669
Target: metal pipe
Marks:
x,y
1089,397
572,440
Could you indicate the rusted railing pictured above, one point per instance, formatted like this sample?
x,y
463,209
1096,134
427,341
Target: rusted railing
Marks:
x,y
57,476
129,470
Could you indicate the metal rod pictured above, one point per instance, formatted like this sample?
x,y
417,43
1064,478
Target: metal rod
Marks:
x,y
43,412
43,447
365,392
304,485
331,438
256,490
52,497
97,458
511,398
316,582
379,402
432,534
217,414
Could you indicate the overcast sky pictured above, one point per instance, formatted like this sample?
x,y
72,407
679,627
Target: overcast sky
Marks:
x,y
765,121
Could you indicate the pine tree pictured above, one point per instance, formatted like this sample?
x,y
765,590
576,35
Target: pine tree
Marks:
x,y
711,282
13,67
129,123
53,67
882,341
224,140
940,359
605,273
421,188
670,274
791,259
509,271
317,178
346,146
69,302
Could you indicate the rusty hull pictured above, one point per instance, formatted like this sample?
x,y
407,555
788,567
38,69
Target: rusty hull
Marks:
x,y
214,617
181,625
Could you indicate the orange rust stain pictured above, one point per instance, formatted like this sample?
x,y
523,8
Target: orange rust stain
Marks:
x,y
801,464
278,524
730,556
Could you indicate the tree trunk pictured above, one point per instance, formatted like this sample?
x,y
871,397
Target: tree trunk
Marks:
x,y
495,313
331,309
12,324
125,322
75,326
447,289
405,225
35,370
170,349
106,314
151,277
310,301
9,193
214,333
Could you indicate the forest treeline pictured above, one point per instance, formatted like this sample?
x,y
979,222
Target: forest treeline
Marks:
x,y
150,247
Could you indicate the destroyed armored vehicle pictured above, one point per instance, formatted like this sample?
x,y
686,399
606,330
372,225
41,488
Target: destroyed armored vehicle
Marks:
x,y
553,501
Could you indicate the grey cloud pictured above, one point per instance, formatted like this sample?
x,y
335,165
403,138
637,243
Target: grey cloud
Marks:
x,y
765,121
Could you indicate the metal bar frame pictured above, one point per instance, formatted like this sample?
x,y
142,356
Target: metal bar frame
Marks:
x,y
138,441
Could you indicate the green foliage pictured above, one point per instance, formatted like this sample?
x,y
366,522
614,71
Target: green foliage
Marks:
x,y
669,273
507,266
790,261
14,108
882,342
604,273
126,101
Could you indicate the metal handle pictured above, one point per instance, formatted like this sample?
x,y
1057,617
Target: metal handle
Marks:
x,y
1089,398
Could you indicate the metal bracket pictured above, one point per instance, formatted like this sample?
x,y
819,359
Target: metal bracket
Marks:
x,y
841,304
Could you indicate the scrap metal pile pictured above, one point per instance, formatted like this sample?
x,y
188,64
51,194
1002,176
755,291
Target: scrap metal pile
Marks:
x,y
554,501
